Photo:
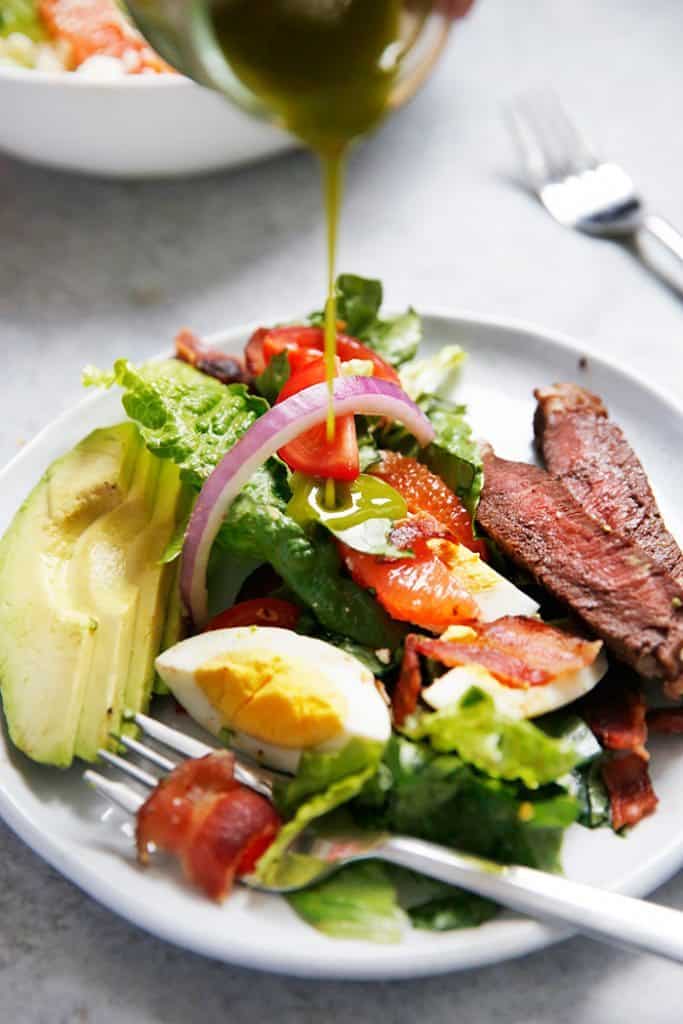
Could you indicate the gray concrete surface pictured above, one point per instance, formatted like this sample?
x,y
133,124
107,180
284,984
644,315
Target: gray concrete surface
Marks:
x,y
91,270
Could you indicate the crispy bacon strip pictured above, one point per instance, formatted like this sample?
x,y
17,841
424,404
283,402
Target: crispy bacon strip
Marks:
x,y
217,827
665,720
519,652
406,693
211,361
616,716
630,789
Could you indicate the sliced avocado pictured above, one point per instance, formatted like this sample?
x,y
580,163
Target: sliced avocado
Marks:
x,y
83,595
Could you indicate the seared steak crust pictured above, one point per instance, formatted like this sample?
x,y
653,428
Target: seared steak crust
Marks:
x,y
592,457
625,598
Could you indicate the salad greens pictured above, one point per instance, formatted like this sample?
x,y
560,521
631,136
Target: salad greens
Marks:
x,y
358,303
467,775
21,16
503,747
428,790
437,375
194,420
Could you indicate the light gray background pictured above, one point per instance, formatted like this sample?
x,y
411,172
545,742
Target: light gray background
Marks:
x,y
92,270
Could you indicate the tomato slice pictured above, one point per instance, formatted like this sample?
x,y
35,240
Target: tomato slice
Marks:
x,y
420,590
261,611
311,452
303,345
424,491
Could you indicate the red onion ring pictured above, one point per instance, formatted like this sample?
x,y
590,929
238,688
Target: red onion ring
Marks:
x,y
283,423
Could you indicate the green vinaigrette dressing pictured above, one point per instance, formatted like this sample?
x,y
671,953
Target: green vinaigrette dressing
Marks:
x,y
326,70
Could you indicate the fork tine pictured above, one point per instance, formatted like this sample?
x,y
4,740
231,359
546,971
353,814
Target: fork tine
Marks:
x,y
550,144
257,778
531,153
153,756
128,768
578,154
171,738
120,794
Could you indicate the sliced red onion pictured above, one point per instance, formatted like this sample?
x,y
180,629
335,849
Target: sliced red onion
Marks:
x,y
283,423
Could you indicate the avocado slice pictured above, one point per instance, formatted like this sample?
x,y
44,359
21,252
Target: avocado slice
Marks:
x,y
83,594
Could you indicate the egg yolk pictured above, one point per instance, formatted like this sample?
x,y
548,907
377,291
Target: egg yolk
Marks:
x,y
275,700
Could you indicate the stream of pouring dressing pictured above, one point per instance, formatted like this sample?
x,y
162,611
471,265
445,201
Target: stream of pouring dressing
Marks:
x,y
325,69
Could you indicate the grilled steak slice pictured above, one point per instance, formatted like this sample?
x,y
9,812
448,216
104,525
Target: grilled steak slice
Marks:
x,y
591,456
632,603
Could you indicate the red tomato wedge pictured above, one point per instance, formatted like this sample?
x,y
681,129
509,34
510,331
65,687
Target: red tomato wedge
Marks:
x,y
311,452
261,611
424,491
420,590
304,345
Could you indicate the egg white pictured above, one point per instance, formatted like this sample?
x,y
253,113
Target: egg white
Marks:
x,y
367,716
494,595
515,703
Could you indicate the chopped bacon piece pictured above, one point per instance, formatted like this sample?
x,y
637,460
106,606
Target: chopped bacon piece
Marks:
x,y
630,789
211,361
665,720
217,827
407,690
424,491
97,27
617,716
421,590
517,651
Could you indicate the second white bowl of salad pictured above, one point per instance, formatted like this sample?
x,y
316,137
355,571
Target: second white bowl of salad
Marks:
x,y
81,91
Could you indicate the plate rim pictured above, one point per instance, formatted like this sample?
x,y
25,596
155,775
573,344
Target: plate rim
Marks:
x,y
528,936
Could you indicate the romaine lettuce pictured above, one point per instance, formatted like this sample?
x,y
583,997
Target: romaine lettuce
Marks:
x,y
502,747
194,420
323,782
436,375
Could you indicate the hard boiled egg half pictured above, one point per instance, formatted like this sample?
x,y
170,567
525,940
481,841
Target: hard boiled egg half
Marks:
x,y
493,594
279,693
511,701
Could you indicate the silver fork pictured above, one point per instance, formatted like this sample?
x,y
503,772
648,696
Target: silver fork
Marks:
x,y
578,189
620,920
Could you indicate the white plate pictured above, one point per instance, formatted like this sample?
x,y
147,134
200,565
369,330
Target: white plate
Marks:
x,y
139,126
89,842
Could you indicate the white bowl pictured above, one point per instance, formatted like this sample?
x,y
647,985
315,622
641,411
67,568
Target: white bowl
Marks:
x,y
133,127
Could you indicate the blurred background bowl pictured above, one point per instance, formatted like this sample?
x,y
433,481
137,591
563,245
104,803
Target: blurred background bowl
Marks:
x,y
136,126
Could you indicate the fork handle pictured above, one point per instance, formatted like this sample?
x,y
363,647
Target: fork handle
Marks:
x,y
665,233
608,916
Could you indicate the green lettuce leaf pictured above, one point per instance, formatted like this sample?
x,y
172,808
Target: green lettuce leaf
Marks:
x,y
436,375
182,414
436,907
358,302
502,747
21,16
420,792
358,902
194,420
322,783
276,374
